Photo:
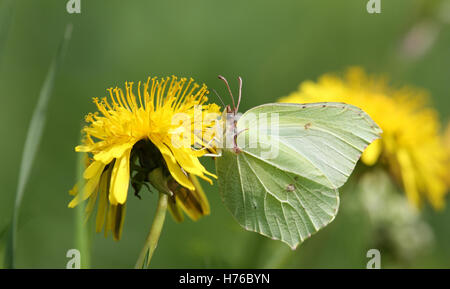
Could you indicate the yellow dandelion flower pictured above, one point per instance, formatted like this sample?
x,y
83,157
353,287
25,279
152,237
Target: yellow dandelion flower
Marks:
x,y
155,138
411,146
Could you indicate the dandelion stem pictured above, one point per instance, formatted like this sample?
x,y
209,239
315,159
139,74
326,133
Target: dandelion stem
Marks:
x,y
153,236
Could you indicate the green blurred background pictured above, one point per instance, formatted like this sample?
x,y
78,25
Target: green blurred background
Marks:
x,y
273,45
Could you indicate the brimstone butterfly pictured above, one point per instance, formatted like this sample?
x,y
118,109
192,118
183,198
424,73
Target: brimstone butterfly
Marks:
x,y
280,175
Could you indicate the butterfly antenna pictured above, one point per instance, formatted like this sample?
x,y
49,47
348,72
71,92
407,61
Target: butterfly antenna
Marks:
x,y
240,93
229,90
219,97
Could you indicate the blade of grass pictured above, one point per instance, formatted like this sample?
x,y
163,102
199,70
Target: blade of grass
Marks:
x,y
32,141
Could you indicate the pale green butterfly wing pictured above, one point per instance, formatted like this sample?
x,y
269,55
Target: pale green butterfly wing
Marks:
x,y
272,202
283,184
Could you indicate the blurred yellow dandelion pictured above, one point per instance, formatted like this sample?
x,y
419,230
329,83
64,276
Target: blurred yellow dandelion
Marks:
x,y
411,146
140,139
